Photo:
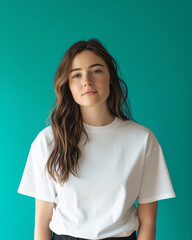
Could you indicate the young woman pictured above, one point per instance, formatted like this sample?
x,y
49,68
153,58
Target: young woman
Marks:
x,y
87,169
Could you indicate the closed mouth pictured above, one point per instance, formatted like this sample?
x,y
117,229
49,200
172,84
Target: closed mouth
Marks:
x,y
90,92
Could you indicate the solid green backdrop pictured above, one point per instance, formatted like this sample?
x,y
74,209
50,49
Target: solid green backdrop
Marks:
x,y
151,41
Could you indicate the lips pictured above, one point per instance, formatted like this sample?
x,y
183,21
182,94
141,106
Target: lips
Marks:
x,y
91,91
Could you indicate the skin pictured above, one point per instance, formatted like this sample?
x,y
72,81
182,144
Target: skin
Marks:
x,y
93,107
147,214
94,112
43,215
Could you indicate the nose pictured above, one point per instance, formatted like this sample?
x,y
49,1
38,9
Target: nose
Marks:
x,y
87,79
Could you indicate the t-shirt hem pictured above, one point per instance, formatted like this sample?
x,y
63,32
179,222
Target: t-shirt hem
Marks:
x,y
119,235
156,198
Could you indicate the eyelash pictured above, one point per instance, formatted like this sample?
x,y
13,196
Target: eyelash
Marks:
x,y
93,71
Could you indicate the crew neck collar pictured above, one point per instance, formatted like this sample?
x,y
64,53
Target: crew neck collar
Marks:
x,y
101,129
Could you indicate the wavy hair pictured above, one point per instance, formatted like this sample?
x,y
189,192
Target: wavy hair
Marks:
x,y
66,119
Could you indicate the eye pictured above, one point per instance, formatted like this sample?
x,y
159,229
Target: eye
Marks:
x,y
97,71
76,75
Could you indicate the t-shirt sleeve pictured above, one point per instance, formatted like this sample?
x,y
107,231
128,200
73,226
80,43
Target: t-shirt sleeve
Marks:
x,y
36,182
156,182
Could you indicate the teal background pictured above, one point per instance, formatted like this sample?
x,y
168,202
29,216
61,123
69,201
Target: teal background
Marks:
x,y
151,41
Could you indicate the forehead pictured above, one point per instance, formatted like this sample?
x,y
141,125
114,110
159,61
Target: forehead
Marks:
x,y
85,59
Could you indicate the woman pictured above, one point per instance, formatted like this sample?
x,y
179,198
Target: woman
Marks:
x,y
87,169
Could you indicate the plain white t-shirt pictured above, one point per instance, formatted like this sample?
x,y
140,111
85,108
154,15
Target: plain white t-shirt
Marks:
x,y
122,163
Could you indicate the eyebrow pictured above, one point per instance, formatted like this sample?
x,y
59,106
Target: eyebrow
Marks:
x,y
93,65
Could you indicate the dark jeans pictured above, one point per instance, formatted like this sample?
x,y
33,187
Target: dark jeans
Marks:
x,y
67,237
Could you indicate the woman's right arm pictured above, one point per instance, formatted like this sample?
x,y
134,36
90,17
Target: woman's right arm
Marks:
x,y
43,216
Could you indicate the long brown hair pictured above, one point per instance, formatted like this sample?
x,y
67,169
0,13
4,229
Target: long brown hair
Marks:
x,y
66,119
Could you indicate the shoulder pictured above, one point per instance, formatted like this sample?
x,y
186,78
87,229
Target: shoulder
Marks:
x,y
44,137
134,128
137,132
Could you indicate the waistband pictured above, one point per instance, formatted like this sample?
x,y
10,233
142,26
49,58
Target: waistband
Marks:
x,y
68,237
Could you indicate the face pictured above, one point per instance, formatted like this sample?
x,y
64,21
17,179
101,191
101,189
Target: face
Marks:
x,y
89,72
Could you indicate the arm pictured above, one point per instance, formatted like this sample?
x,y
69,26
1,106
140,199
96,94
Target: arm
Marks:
x,y
43,215
147,214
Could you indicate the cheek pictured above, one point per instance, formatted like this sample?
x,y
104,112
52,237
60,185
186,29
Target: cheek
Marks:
x,y
104,83
75,89
106,79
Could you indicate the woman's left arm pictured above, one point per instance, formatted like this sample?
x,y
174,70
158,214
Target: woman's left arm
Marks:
x,y
147,214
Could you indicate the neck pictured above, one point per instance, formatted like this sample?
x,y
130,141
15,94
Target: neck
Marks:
x,y
96,116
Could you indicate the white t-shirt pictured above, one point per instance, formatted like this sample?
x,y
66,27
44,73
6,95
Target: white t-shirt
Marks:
x,y
122,163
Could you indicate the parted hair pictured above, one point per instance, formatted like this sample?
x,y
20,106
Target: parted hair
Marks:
x,y
66,119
